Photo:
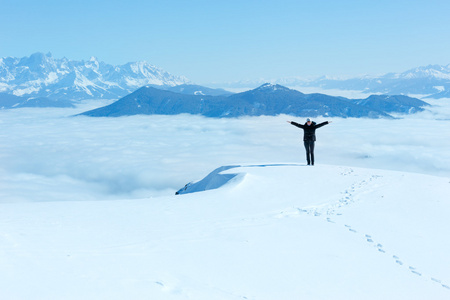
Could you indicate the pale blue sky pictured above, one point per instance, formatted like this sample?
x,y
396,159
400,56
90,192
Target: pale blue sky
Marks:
x,y
219,41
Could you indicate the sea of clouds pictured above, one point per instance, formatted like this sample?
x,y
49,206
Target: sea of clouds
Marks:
x,y
48,154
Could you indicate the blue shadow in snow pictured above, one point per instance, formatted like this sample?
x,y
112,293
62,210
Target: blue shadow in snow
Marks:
x,y
215,179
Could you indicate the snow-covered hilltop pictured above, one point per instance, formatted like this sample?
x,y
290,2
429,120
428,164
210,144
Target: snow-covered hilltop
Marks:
x,y
42,75
270,231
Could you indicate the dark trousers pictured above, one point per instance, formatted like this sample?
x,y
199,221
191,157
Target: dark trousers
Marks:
x,y
309,146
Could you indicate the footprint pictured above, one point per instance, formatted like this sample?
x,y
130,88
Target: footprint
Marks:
x,y
446,286
413,270
435,280
350,228
380,248
397,260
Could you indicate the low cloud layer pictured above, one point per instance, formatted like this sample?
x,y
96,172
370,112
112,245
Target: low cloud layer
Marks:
x,y
47,155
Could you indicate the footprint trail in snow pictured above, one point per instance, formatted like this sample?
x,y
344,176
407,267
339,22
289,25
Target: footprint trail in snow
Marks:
x,y
331,210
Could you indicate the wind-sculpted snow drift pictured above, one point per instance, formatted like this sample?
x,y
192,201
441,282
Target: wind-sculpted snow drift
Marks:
x,y
214,180
218,178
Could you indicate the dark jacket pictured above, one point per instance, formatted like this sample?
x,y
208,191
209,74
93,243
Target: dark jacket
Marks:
x,y
309,131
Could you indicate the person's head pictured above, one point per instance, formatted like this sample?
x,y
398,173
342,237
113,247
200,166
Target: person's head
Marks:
x,y
308,121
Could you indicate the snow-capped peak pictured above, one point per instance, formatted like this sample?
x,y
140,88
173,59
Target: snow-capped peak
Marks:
x,y
430,71
272,87
78,79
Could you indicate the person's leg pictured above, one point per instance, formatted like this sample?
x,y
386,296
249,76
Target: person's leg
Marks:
x,y
307,148
311,150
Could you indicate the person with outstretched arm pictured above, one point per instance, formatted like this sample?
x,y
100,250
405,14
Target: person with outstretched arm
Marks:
x,y
309,137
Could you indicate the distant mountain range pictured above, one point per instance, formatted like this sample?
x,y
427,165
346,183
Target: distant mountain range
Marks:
x,y
432,81
268,99
41,75
42,81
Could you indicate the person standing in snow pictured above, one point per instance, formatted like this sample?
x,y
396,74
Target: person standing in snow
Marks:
x,y
309,137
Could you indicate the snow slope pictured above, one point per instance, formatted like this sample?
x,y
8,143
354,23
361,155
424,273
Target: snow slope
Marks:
x,y
271,231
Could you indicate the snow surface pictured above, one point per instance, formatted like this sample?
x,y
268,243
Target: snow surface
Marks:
x,y
279,232
88,207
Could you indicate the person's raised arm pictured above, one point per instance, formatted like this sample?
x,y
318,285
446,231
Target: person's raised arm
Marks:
x,y
322,124
296,124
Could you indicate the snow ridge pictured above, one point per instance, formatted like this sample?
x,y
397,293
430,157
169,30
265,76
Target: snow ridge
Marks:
x,y
216,179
